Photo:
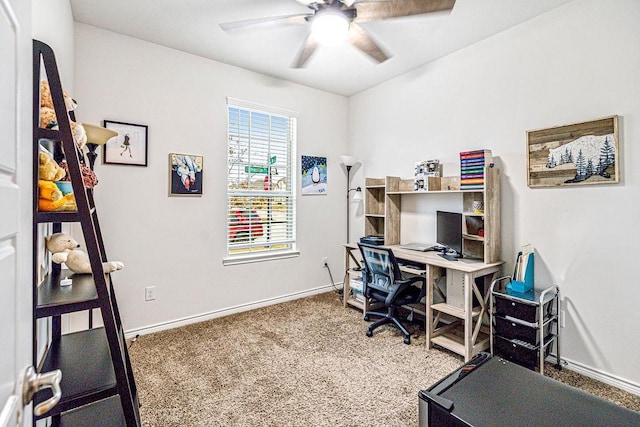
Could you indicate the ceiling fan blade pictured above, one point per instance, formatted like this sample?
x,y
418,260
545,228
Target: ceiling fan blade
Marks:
x,y
298,18
359,38
368,11
306,50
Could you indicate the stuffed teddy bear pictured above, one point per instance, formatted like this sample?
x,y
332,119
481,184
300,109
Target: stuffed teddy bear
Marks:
x,y
65,249
48,169
48,117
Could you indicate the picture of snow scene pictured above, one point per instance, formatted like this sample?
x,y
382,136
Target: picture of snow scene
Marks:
x,y
582,153
314,175
590,154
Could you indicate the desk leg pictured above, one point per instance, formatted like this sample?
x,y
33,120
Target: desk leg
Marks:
x,y
468,316
428,317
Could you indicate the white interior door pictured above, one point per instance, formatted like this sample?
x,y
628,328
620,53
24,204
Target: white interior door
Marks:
x,y
15,209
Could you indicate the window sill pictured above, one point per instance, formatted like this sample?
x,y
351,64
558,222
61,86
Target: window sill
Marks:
x,y
246,259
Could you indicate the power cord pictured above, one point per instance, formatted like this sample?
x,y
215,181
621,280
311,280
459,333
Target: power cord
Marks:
x,y
335,288
133,341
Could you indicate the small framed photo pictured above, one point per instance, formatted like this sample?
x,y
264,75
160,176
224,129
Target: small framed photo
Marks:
x,y
185,174
129,147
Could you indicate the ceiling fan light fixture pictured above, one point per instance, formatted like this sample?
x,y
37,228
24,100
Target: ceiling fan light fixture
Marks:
x,y
330,27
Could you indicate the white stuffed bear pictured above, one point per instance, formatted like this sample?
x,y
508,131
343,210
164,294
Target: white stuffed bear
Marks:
x,y
65,249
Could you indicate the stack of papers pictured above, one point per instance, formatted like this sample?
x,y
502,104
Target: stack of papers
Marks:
x,y
521,262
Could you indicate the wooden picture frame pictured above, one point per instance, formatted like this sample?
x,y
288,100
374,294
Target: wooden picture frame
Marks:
x,y
185,174
578,154
130,147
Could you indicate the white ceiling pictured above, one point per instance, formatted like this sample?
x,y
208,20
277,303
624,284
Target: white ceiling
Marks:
x,y
192,26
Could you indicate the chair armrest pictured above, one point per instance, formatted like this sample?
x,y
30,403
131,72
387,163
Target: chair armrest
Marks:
x,y
400,285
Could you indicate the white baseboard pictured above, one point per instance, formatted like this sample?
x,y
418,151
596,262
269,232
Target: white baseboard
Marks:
x,y
604,377
225,311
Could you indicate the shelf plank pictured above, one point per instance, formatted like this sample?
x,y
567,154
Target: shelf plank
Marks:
x,y
355,303
450,342
412,270
454,311
51,134
54,299
434,192
87,369
105,413
65,216
473,237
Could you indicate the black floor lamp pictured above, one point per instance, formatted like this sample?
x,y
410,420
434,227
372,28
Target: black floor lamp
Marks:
x,y
348,162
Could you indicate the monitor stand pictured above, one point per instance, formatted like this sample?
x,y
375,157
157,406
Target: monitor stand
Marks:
x,y
451,257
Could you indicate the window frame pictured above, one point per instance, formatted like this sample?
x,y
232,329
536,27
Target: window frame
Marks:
x,y
249,251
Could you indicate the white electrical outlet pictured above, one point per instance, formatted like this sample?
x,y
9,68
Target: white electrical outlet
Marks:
x,y
150,293
324,261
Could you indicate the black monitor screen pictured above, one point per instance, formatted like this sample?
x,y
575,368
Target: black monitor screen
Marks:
x,y
449,230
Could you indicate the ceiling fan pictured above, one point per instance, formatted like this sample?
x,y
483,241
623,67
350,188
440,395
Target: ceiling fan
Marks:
x,y
335,21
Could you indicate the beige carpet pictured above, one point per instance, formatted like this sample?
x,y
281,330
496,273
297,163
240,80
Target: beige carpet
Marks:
x,y
300,363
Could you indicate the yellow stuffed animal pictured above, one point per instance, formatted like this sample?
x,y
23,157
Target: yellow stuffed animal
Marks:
x,y
48,190
48,169
50,198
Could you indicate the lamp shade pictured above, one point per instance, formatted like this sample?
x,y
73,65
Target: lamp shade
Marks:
x,y
349,160
357,196
97,134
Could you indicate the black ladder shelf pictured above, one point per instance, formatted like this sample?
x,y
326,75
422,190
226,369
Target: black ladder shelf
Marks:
x,y
98,385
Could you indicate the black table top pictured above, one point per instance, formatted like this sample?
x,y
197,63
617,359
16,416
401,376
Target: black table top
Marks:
x,y
500,393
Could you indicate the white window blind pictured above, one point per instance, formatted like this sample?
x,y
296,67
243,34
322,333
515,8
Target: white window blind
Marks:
x,y
260,178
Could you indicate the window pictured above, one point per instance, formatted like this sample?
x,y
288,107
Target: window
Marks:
x,y
260,180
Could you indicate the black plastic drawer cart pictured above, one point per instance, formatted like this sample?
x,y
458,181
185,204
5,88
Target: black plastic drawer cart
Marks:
x,y
524,325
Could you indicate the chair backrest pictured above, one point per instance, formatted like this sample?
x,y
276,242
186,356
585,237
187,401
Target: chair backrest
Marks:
x,y
381,266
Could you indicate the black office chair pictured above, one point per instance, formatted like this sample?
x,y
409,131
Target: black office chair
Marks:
x,y
382,281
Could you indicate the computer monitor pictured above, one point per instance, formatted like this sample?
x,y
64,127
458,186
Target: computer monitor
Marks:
x,y
449,234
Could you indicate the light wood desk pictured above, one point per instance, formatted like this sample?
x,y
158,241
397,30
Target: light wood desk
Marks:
x,y
466,335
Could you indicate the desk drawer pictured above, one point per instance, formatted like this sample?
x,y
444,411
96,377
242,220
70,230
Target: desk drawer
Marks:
x,y
520,310
526,355
510,329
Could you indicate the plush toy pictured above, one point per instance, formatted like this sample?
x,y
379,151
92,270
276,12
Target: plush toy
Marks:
x,y
50,198
48,190
65,249
48,169
48,117
89,178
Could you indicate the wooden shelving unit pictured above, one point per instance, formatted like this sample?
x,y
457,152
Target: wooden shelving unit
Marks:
x,y
484,246
98,385
374,209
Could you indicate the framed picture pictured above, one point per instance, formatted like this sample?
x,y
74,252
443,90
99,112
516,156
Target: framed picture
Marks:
x,y
578,154
314,175
129,147
185,174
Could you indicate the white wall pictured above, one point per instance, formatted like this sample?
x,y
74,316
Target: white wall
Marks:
x,y
52,22
178,243
576,63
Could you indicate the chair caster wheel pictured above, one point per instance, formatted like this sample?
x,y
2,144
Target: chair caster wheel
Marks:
x,y
366,318
407,340
369,333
